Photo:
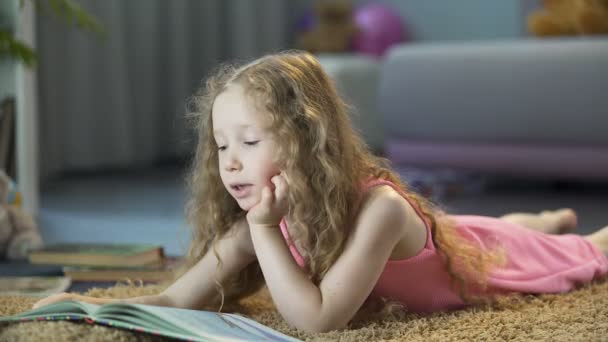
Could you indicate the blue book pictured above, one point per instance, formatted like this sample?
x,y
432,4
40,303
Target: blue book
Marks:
x,y
190,325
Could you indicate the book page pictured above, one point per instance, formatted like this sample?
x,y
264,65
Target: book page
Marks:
x,y
208,324
259,328
53,311
133,317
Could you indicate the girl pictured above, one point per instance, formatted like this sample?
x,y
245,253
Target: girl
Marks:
x,y
284,190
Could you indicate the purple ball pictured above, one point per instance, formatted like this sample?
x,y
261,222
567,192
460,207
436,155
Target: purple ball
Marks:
x,y
379,28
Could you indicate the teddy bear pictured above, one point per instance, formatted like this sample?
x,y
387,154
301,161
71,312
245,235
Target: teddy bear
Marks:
x,y
335,28
570,17
19,233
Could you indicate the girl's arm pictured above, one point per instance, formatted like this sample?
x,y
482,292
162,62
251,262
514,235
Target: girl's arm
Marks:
x,y
159,300
382,222
197,286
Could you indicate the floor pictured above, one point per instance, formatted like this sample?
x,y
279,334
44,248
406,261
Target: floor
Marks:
x,y
138,206
146,205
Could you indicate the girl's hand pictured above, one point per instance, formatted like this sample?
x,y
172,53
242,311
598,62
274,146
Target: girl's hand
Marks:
x,y
273,205
60,297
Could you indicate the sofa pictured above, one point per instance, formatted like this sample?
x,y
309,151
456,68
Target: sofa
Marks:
x,y
527,107
356,77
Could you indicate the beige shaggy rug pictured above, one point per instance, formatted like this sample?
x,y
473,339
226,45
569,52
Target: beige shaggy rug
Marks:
x,y
581,315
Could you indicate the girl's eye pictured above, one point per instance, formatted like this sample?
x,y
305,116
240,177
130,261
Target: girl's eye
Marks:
x,y
221,148
251,143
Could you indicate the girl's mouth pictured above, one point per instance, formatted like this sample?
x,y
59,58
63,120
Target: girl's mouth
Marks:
x,y
241,190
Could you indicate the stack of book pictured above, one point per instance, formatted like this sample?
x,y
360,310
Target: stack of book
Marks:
x,y
108,262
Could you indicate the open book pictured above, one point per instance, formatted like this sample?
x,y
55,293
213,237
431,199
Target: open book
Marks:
x,y
192,325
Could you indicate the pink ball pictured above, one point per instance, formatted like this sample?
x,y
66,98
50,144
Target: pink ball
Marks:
x,y
379,28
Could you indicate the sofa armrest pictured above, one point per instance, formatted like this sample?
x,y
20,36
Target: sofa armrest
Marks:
x,y
356,79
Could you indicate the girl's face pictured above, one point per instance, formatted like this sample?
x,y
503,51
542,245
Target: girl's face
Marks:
x,y
246,149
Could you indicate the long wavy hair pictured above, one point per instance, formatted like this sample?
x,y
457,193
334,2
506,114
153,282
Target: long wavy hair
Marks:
x,y
325,161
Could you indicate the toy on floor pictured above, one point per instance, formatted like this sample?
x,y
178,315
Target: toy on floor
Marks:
x,y
570,17
336,26
379,28
333,28
19,233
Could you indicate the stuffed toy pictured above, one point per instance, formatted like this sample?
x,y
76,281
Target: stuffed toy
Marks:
x,y
18,231
570,17
335,28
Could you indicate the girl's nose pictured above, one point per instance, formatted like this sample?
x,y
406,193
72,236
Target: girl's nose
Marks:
x,y
233,163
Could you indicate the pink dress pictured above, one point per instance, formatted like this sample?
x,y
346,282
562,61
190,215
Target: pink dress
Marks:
x,y
536,263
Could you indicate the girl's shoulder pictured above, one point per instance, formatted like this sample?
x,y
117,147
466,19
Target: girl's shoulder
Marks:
x,y
384,193
377,189
400,218
388,199
385,201
379,193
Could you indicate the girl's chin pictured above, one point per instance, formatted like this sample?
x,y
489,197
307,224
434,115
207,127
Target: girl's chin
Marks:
x,y
245,204
245,207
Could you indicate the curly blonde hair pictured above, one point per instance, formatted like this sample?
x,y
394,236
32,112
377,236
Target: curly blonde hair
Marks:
x,y
325,161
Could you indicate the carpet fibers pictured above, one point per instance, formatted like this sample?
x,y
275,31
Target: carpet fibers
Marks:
x,y
580,315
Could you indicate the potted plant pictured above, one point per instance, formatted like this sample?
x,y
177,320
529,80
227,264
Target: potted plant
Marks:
x,y
11,48
68,10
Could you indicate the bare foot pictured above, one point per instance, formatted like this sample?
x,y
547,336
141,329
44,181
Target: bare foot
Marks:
x,y
600,239
566,220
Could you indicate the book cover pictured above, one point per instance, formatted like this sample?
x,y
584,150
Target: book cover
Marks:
x,y
191,325
98,254
7,136
33,286
23,268
149,273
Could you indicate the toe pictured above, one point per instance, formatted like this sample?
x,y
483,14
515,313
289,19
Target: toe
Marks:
x,y
568,220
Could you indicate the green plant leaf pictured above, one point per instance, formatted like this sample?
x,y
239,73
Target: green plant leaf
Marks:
x,y
72,13
13,48
67,10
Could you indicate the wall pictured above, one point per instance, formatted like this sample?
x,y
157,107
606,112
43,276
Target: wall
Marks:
x,y
16,80
437,20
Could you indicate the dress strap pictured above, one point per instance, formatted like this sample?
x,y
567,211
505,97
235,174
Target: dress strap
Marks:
x,y
368,185
292,248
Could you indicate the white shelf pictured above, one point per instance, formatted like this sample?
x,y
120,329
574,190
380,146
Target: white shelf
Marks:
x,y
27,114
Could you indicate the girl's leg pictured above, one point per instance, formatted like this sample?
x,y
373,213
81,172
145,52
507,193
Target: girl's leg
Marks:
x,y
600,239
552,222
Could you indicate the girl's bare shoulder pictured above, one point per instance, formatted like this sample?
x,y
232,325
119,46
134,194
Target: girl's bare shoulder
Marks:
x,y
386,198
401,220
